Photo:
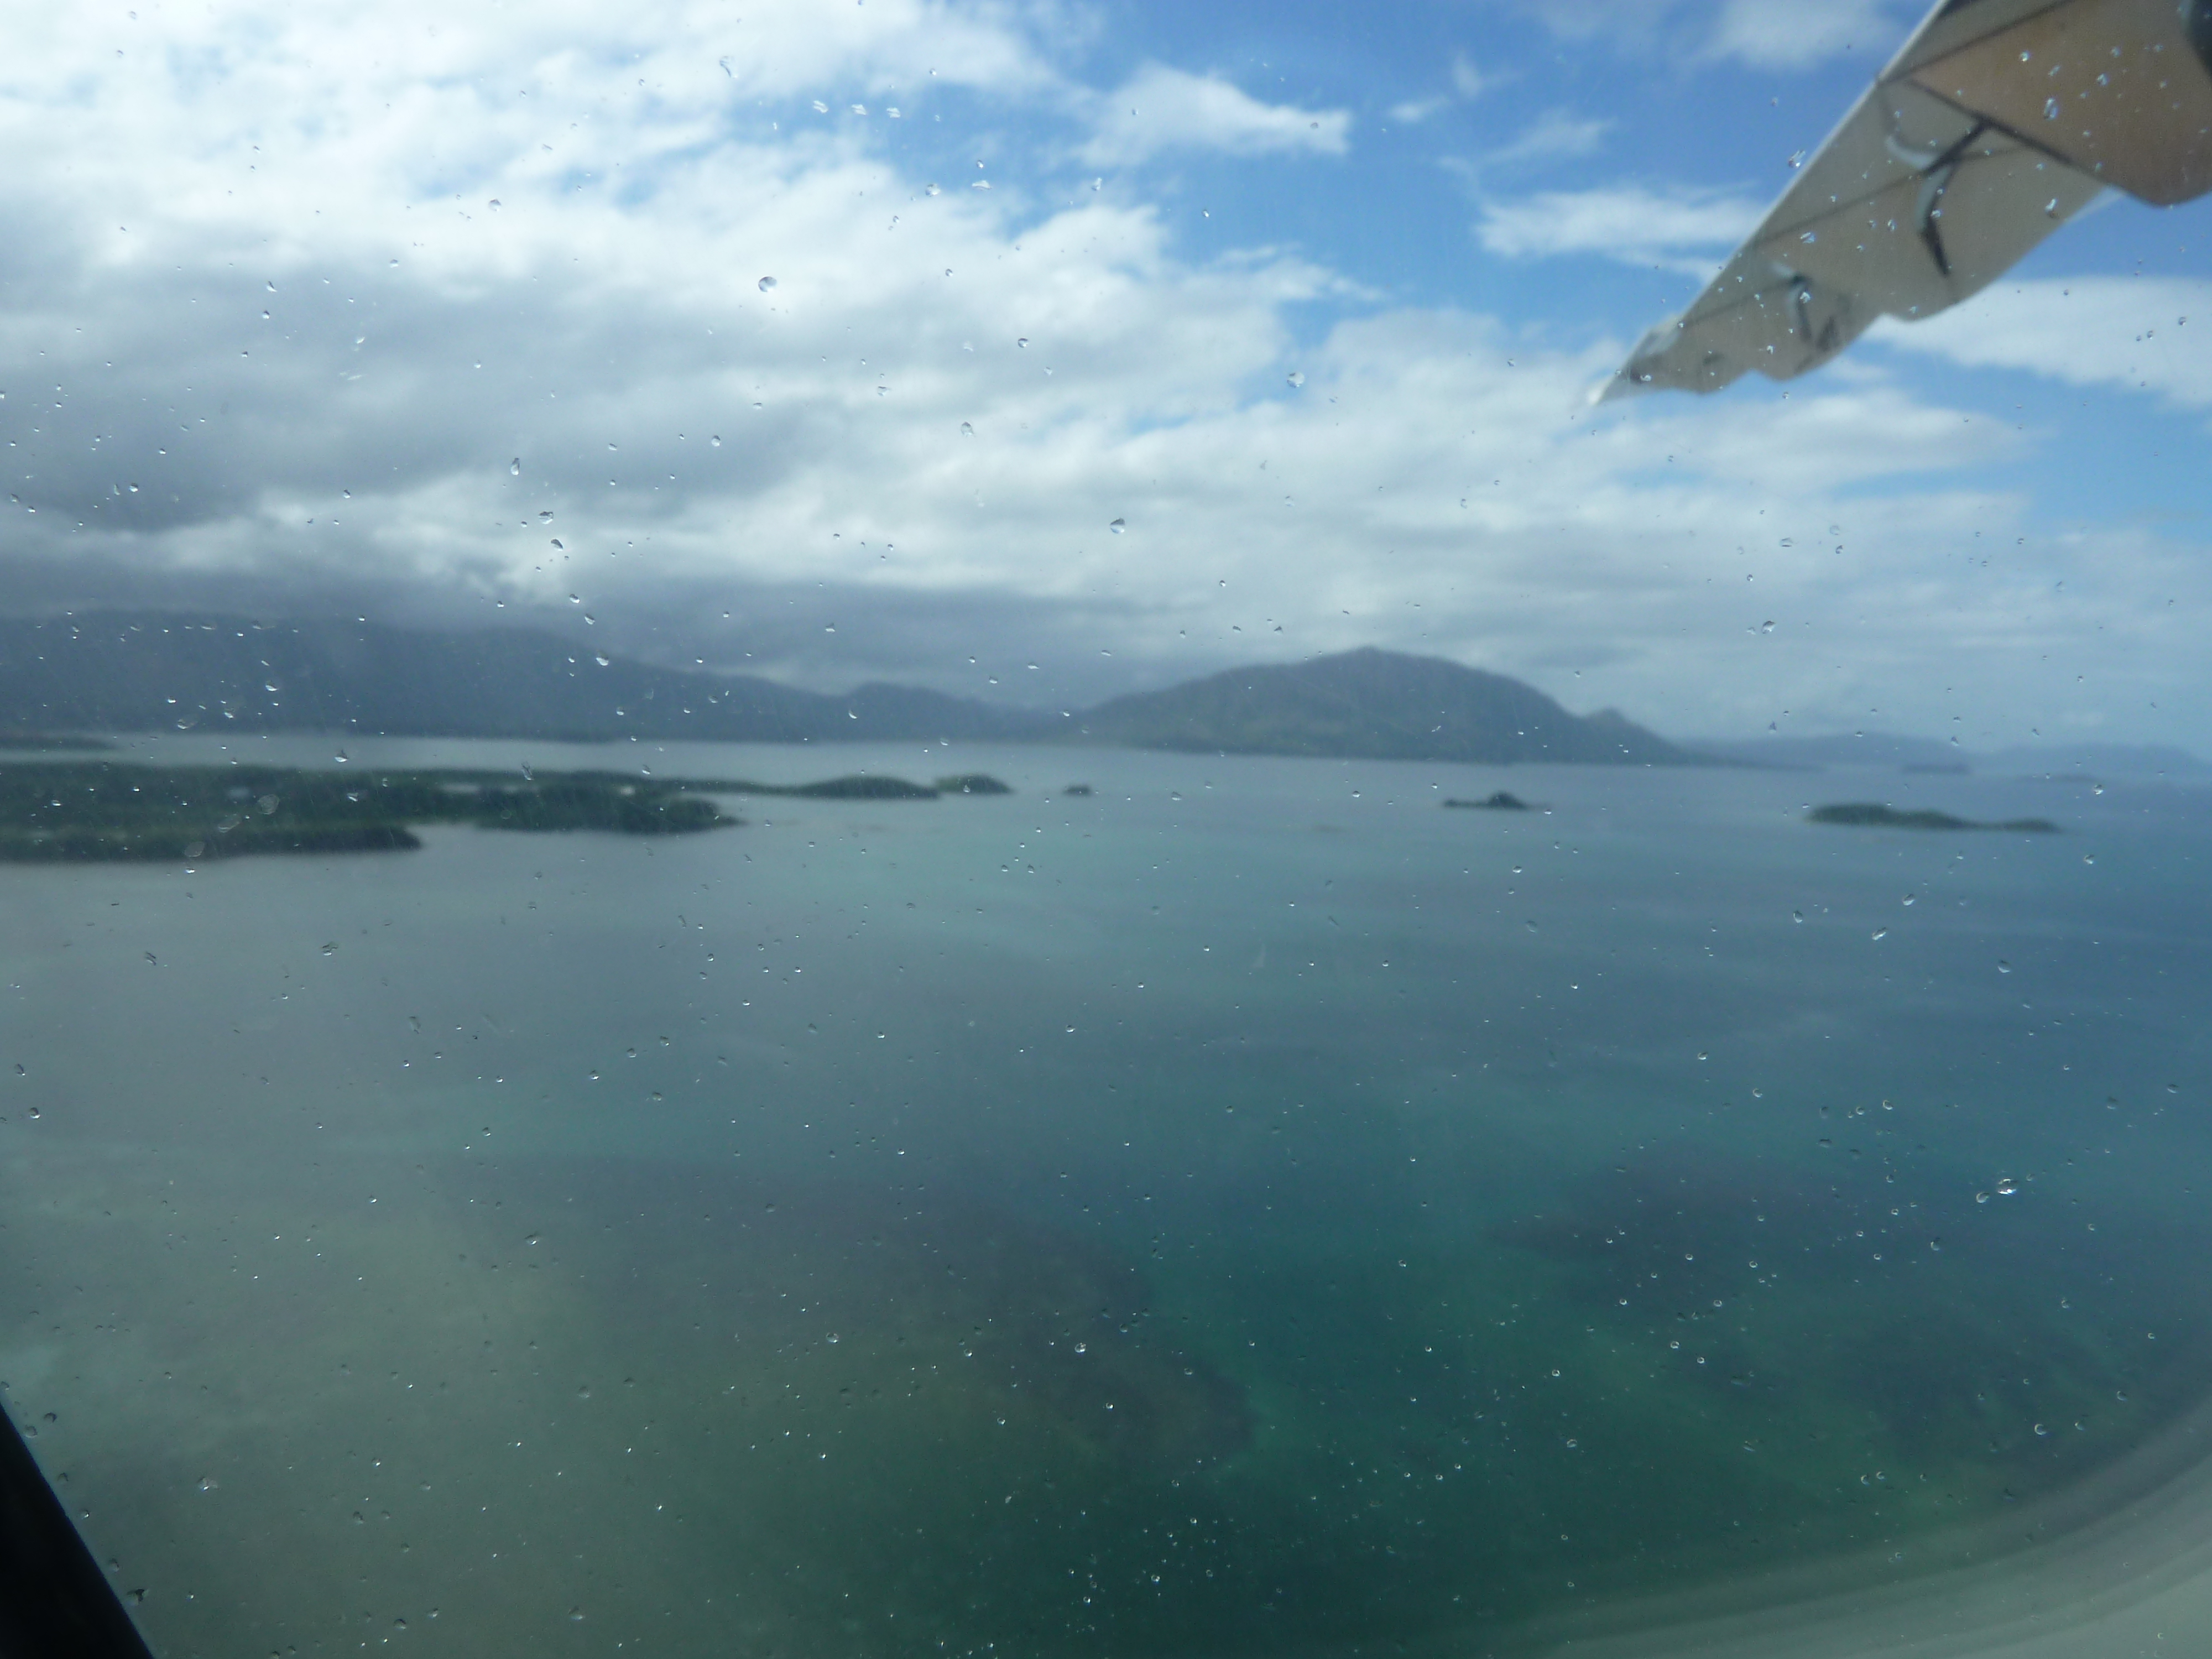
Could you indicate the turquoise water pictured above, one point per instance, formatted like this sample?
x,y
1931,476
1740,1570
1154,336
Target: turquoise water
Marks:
x,y
1247,1207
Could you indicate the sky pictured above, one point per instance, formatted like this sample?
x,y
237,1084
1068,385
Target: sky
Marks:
x,y
1044,351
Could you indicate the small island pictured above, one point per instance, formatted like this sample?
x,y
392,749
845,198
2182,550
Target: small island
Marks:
x,y
1874,815
1503,801
1077,789
972,783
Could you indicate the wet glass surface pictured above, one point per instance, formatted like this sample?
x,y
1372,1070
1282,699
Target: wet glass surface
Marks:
x,y
1248,1200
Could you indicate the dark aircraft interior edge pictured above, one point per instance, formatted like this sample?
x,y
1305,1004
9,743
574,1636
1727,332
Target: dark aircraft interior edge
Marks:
x,y
55,1602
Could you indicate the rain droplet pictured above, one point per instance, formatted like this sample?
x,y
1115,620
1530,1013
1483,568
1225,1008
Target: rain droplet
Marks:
x,y
766,284
1118,526
599,659
1297,378
2006,1187
515,467
2004,966
1024,341
936,190
716,440
967,430
2050,109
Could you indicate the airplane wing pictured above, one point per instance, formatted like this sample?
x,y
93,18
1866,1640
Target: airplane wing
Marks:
x,y
1998,120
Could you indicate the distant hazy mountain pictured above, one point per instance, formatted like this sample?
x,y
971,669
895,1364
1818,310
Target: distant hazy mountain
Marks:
x,y
1850,749
1893,752
2106,760
1373,703
117,671
135,672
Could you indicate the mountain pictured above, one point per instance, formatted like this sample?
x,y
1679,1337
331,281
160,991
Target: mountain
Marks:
x,y
1374,704
138,672
2109,760
118,672
1894,753
1883,748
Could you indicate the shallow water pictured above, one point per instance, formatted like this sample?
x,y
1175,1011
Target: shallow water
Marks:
x,y
1247,1207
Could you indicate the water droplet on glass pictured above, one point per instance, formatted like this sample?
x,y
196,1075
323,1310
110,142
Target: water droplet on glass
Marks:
x,y
716,440
1297,378
821,108
514,466
1118,526
936,190
967,430
2004,966
1796,159
766,284
2006,1187
2050,109
599,659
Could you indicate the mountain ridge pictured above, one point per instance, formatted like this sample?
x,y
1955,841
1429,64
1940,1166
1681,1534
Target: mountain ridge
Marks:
x,y
118,672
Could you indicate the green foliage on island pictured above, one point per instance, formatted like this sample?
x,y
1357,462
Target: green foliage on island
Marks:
x,y
972,783
1872,815
59,811
1503,801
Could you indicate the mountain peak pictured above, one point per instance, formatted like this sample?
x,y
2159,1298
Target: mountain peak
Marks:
x,y
1373,703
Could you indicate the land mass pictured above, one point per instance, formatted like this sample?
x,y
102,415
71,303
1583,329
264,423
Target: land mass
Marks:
x,y
1374,704
1933,757
1873,815
146,671
67,812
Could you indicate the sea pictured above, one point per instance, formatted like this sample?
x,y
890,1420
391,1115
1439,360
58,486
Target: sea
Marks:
x,y
1251,1207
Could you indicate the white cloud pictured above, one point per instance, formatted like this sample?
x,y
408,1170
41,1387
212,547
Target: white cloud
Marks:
x,y
1468,81
1778,34
1767,35
1164,109
1675,229
1415,111
1555,136
1433,484
2137,333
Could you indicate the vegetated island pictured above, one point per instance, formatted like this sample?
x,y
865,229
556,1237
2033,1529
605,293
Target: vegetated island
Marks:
x,y
66,811
1873,815
1503,801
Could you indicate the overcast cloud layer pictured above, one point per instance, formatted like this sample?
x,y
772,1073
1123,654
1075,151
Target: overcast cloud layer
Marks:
x,y
935,341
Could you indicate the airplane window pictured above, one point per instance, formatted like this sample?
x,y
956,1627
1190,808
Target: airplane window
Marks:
x,y
950,827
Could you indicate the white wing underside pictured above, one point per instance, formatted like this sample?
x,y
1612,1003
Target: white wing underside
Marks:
x,y
1998,121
